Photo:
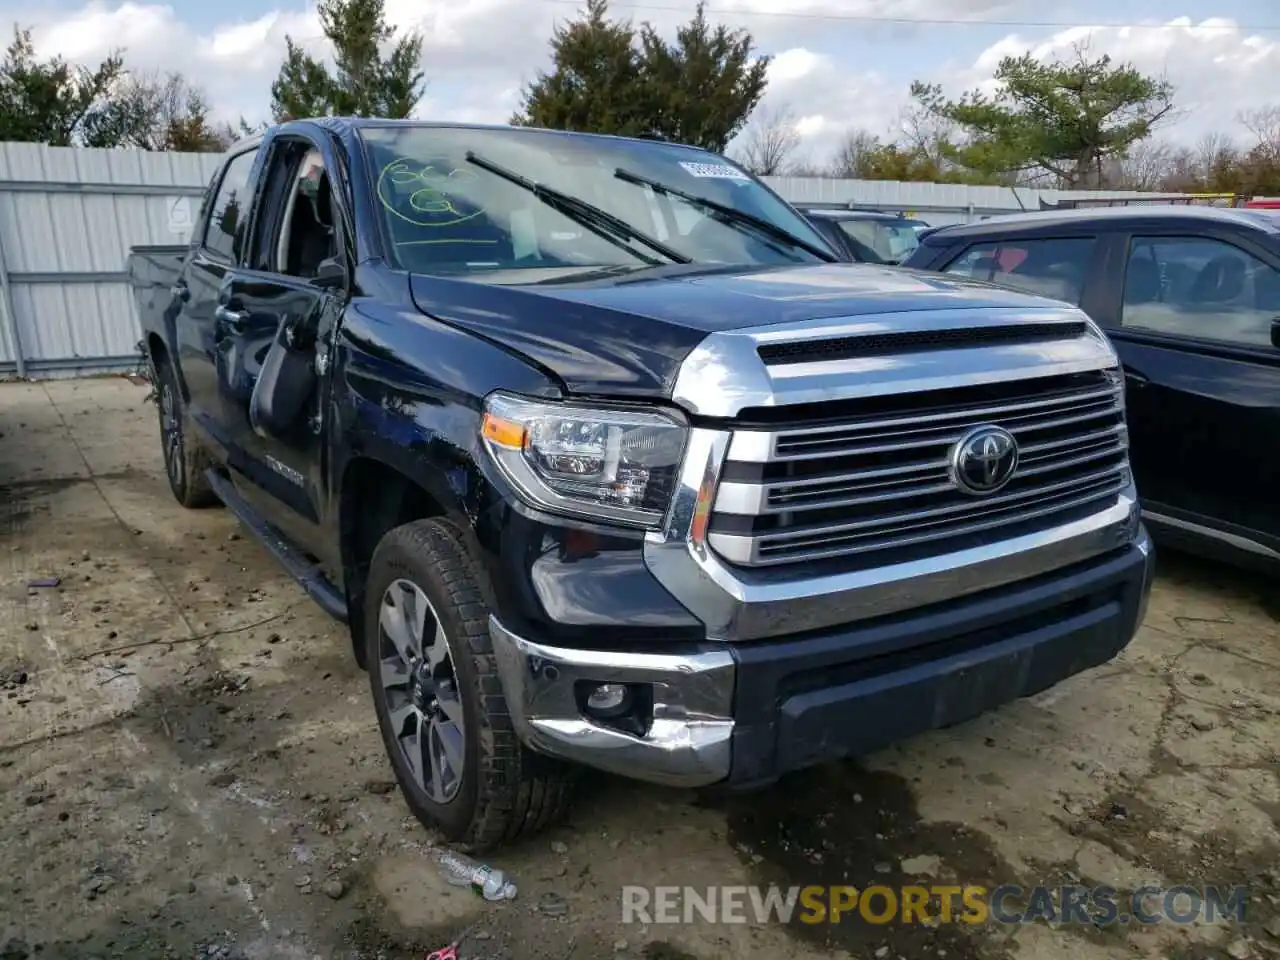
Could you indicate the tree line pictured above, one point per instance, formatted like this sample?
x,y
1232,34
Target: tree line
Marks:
x,y
1081,121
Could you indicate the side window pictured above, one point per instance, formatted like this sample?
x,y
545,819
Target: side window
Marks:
x,y
307,236
1198,287
229,217
1047,268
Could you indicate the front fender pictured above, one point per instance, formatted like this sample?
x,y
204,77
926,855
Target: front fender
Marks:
x,y
408,392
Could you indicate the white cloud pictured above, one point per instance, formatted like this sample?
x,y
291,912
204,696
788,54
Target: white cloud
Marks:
x,y
478,55
99,27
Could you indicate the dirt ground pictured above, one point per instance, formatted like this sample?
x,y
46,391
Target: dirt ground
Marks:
x,y
190,765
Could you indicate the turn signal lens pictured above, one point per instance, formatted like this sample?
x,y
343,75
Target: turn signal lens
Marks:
x,y
505,433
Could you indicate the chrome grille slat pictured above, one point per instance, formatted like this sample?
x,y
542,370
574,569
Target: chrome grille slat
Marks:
x,y
971,505
883,483
837,499
1103,493
1075,461
983,414
875,475
1069,498
1024,423
1116,431
919,436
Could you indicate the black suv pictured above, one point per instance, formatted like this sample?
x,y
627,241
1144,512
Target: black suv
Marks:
x,y
1191,298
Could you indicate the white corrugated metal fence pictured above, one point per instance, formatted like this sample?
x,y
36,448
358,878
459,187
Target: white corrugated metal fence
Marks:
x,y
67,220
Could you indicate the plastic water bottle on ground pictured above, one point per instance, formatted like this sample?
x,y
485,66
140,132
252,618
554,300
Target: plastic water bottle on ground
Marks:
x,y
462,871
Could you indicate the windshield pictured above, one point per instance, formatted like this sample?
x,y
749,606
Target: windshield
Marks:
x,y
893,240
447,209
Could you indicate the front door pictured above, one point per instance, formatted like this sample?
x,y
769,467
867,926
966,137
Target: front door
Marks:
x,y
1193,328
280,313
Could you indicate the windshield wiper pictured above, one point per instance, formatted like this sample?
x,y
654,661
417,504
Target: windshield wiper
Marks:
x,y
728,214
598,221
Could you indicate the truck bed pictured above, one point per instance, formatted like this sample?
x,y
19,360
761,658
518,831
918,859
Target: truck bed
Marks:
x,y
153,271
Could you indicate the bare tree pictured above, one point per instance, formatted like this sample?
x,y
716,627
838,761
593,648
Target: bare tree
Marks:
x,y
1210,152
1264,124
850,160
1182,169
805,168
1144,166
769,142
150,112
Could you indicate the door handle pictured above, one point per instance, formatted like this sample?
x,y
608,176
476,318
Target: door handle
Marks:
x,y
237,320
181,291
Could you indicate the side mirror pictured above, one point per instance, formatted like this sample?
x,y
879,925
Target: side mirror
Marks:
x,y
1275,333
331,274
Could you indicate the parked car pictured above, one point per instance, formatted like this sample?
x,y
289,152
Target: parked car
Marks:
x,y
578,435
867,236
1190,295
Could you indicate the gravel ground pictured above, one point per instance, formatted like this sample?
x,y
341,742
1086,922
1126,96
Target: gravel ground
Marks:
x,y
190,765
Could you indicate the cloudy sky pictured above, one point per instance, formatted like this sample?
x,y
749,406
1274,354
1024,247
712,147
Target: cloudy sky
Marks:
x,y
837,63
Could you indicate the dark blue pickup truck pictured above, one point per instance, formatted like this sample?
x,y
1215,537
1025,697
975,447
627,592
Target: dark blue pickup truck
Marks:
x,y
606,462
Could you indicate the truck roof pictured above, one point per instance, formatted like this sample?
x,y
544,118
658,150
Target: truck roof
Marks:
x,y
343,125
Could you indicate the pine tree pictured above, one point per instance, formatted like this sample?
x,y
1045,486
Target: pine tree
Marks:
x,y
609,78
705,85
362,82
1065,119
597,84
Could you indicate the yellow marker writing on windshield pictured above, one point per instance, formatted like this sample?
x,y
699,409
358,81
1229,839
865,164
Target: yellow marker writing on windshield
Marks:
x,y
432,204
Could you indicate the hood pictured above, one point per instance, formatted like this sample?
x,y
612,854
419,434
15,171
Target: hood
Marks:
x,y
627,336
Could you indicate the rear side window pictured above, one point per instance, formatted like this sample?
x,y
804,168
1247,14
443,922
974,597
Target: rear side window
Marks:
x,y
1201,288
228,218
1047,268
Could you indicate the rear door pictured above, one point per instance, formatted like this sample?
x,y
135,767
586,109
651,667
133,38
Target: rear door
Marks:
x,y
1192,319
282,307
214,254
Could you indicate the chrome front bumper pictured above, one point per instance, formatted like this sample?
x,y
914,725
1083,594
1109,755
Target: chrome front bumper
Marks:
x,y
688,743
736,714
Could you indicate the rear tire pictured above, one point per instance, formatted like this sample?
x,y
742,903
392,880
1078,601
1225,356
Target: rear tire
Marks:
x,y
444,719
185,461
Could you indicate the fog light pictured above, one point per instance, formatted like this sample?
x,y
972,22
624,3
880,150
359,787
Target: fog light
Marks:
x,y
609,699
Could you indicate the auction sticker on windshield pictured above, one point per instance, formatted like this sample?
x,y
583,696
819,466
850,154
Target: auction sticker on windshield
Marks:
x,y
713,171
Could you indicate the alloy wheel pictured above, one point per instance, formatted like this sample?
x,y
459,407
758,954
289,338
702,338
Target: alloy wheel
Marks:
x,y
171,435
420,685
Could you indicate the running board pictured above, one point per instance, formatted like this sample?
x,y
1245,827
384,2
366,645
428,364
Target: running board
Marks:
x,y
308,575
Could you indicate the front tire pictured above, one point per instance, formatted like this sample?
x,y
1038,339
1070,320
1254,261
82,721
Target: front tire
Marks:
x,y
184,459
442,713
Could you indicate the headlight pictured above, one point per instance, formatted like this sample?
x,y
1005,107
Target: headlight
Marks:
x,y
617,465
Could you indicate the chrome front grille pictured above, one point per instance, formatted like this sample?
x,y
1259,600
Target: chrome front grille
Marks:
x,y
873,486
